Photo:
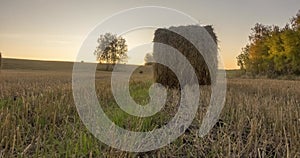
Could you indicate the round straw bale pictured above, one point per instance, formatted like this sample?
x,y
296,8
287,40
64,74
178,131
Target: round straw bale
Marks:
x,y
163,74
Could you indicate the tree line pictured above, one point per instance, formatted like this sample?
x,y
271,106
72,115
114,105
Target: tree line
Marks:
x,y
272,50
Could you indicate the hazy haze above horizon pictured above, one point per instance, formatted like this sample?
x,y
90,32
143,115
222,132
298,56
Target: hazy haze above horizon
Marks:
x,y
55,30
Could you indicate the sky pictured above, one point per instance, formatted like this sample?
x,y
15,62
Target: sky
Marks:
x,y
56,29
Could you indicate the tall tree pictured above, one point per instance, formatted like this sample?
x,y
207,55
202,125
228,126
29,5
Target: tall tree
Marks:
x,y
295,21
111,49
291,44
243,58
276,51
258,50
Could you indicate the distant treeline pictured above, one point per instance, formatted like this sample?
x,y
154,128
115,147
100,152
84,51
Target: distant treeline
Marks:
x,y
272,50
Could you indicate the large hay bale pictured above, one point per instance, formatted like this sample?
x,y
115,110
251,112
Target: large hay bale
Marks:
x,y
166,76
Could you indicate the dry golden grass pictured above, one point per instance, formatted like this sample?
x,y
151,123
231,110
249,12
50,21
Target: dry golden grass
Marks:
x,y
38,118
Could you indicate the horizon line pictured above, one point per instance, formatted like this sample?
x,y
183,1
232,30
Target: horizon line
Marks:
x,y
69,61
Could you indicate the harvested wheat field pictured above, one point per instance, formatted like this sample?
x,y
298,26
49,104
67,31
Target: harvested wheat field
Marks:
x,y
38,118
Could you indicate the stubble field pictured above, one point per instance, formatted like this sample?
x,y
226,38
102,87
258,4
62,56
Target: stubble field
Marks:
x,y
38,118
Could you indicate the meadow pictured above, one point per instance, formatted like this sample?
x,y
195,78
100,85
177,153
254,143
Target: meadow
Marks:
x,y
38,117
